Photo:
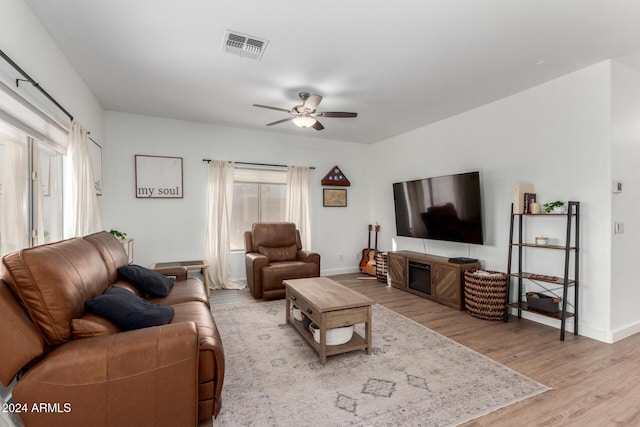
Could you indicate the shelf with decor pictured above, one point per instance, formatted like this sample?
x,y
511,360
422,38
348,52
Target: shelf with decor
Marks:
x,y
554,290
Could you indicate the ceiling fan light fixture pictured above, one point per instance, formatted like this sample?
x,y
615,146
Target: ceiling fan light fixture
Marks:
x,y
304,116
304,121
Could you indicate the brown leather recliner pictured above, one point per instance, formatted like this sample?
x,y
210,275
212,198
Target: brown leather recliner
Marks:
x,y
273,254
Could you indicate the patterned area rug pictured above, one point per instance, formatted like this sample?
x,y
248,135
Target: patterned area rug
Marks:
x,y
415,376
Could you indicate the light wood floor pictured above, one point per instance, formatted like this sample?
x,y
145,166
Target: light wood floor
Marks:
x,y
593,383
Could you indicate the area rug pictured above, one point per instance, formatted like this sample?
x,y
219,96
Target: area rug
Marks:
x,y
414,377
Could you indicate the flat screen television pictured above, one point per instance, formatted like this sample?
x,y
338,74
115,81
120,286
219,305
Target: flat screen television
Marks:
x,y
440,208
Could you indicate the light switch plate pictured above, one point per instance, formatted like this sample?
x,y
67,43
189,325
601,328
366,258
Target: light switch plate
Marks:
x,y
617,187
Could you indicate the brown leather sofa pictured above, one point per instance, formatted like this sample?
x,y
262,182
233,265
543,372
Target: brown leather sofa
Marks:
x,y
273,254
78,368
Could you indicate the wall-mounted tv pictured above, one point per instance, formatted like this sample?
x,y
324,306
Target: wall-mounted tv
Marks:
x,y
440,208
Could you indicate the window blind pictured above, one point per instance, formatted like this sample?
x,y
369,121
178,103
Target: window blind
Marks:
x,y
270,176
18,113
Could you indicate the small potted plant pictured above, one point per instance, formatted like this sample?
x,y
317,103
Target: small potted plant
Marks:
x,y
119,234
555,207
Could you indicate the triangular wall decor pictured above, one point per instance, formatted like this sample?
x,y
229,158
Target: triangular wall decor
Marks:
x,y
335,177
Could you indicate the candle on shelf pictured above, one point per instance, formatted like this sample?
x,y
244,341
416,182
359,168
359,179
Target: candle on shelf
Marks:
x,y
535,208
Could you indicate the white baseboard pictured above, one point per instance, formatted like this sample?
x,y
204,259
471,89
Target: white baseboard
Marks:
x,y
583,330
336,271
624,332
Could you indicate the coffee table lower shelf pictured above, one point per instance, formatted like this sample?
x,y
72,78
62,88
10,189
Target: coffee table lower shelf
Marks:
x,y
357,342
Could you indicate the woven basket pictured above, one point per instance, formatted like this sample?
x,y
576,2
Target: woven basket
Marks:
x,y
381,267
485,295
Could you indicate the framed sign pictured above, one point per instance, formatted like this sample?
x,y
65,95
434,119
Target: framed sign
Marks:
x,y
332,197
158,177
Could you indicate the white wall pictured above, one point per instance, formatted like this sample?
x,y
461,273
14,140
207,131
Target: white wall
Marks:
x,y
28,44
172,229
555,136
625,138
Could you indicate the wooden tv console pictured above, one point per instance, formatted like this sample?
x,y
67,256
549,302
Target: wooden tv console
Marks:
x,y
447,278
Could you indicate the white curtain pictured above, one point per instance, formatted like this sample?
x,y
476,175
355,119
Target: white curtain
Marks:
x,y
81,209
14,233
297,210
217,235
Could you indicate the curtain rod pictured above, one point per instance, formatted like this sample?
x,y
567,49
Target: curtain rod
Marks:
x,y
256,164
28,78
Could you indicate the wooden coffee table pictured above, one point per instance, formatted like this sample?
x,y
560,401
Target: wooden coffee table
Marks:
x,y
329,305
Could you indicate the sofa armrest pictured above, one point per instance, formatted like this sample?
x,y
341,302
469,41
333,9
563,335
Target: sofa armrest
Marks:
x,y
181,273
308,256
146,377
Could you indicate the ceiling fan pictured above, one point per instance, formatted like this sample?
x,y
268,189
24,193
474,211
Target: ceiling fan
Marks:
x,y
305,115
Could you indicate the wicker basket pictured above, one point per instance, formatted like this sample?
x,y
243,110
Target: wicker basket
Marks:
x,y
485,296
381,267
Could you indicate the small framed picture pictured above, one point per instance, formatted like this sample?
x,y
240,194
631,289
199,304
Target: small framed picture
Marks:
x,y
334,197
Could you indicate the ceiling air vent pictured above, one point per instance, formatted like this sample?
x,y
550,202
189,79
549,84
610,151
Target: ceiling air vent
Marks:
x,y
244,45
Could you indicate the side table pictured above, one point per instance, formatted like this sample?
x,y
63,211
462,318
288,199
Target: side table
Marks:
x,y
201,265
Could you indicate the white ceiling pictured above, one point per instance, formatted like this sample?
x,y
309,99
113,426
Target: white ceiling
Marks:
x,y
399,64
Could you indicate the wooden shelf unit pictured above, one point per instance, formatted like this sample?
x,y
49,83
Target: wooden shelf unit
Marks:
x,y
564,283
447,278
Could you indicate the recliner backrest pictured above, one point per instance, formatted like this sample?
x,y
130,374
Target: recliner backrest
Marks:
x,y
111,251
53,282
278,241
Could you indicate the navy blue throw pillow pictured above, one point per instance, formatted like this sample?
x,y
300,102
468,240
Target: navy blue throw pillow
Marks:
x,y
147,281
127,310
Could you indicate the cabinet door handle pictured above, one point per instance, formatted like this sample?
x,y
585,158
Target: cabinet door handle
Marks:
x,y
293,297
309,311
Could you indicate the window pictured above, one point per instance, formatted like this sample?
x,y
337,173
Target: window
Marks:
x,y
30,191
258,195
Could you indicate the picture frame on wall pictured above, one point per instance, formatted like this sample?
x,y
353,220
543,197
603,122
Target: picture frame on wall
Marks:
x,y
334,197
158,177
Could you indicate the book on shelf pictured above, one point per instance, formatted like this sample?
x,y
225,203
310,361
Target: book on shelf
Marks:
x,y
518,196
529,198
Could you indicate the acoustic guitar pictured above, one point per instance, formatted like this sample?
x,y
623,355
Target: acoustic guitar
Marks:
x,y
370,269
365,253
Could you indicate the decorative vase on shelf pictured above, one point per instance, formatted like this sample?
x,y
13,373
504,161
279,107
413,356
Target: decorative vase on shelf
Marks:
x,y
535,208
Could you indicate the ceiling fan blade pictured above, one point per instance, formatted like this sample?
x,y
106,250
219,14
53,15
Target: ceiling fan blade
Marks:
x,y
317,125
336,114
311,103
271,108
279,121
